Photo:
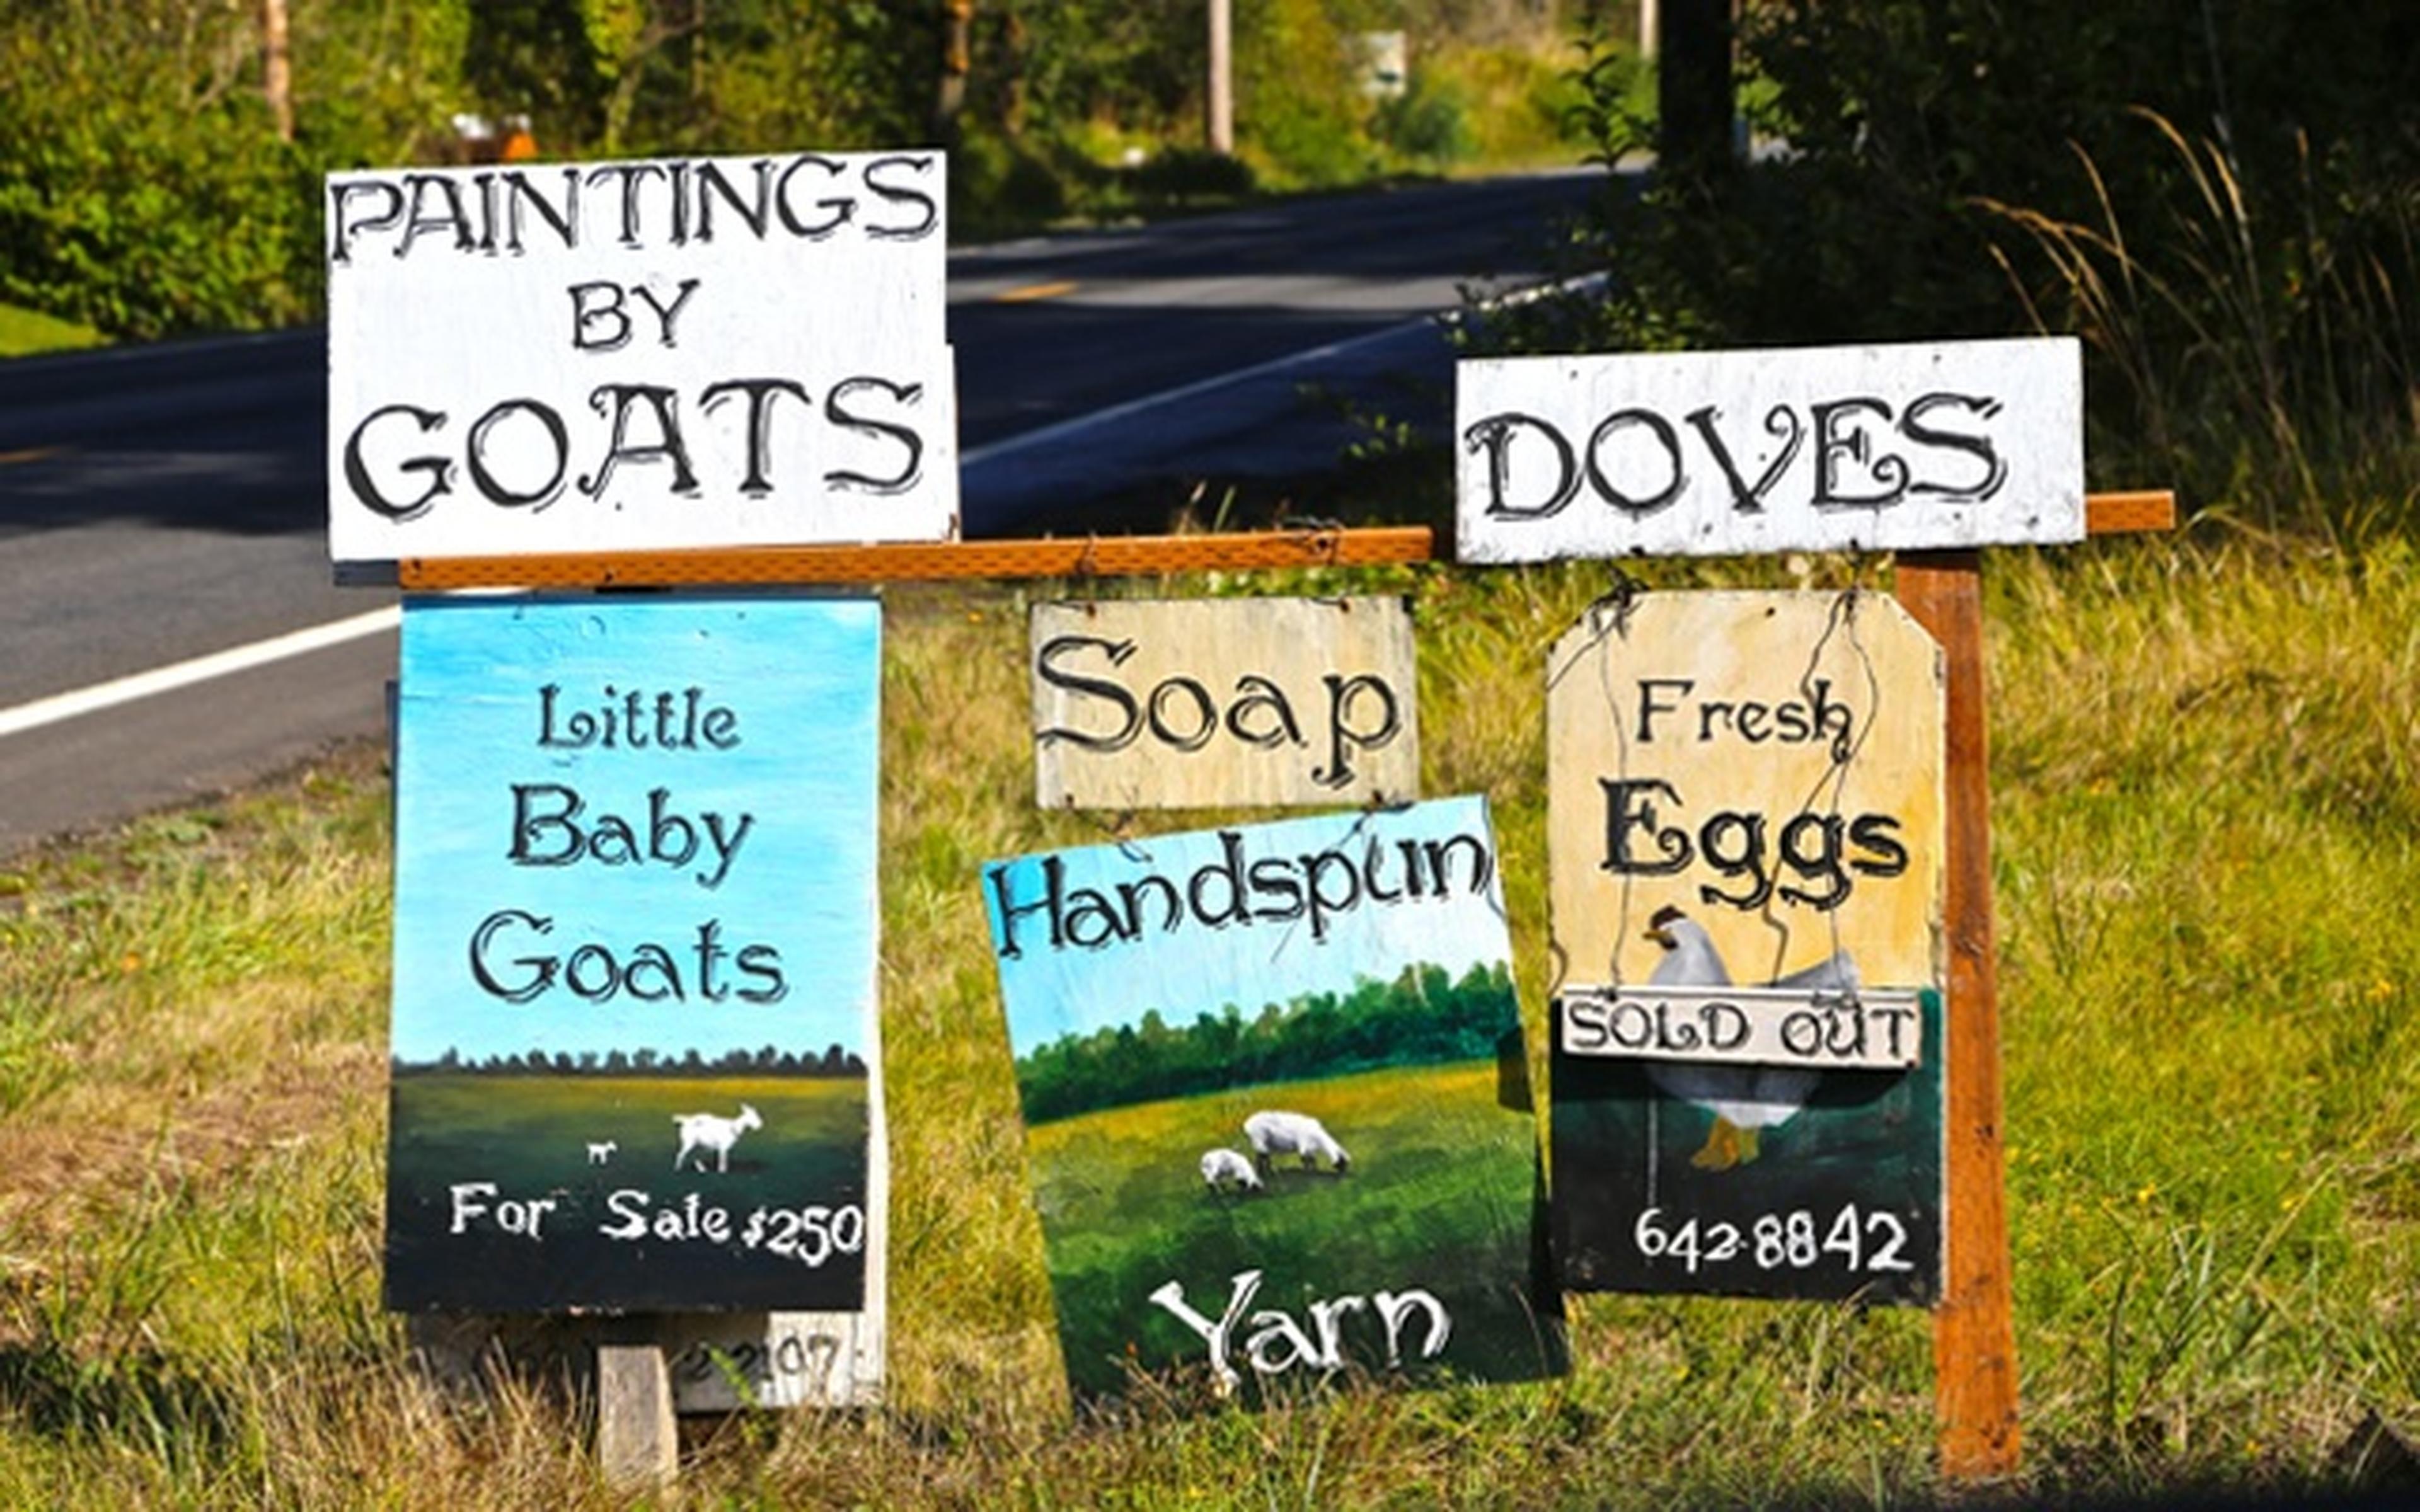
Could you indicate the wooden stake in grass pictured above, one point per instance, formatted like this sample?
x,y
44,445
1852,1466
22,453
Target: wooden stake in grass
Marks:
x,y
1974,1327
637,1447
1974,1332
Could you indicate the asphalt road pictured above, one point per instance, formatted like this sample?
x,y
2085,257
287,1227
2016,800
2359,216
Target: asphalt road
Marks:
x,y
162,504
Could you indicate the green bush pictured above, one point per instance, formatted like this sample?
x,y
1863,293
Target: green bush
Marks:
x,y
128,206
1429,122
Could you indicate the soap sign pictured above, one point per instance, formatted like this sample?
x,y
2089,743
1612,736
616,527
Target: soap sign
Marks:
x,y
1943,445
640,355
1276,1108
1745,833
1210,703
634,1039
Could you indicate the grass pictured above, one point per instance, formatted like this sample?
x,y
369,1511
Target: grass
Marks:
x,y
25,333
2204,810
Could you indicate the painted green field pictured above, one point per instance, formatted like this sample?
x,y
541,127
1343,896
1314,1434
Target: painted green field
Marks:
x,y
1438,1196
497,1201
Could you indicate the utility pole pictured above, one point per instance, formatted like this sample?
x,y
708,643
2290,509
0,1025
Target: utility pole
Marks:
x,y
957,21
1221,92
276,68
1693,90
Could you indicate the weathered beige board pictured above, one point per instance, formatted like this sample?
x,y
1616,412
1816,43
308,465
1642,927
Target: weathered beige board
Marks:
x,y
1875,1028
1769,763
1172,703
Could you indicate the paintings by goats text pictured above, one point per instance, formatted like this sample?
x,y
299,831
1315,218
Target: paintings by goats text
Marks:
x,y
634,1056
1277,1109
694,352
1745,841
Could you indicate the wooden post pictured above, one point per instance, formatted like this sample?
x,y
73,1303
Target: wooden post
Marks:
x,y
1220,94
1974,1332
958,31
276,68
637,1443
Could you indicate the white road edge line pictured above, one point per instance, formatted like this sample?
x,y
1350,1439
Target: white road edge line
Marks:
x,y
234,659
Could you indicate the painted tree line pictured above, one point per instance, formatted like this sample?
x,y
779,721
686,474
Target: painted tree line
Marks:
x,y
1425,1016
769,1061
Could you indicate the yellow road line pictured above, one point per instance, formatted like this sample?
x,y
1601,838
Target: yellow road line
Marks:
x,y
31,454
1034,291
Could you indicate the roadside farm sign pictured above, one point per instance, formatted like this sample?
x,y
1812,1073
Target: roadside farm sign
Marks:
x,y
1211,702
638,355
635,1060
1276,1108
1914,447
1744,830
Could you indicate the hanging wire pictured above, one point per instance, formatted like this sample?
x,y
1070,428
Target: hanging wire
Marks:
x,y
1607,617
1829,790
1118,829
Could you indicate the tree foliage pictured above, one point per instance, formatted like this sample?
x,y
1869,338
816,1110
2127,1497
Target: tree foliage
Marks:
x,y
1422,1017
2222,200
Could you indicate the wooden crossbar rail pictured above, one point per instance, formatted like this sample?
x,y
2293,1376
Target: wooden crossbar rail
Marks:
x,y
1097,556
2116,513
1075,556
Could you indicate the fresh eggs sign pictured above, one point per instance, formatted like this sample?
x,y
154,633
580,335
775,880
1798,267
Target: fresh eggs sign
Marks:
x,y
1277,1107
1744,811
634,1036
1941,445
687,352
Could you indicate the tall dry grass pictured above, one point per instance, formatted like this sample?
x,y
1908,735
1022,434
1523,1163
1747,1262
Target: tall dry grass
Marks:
x,y
2267,335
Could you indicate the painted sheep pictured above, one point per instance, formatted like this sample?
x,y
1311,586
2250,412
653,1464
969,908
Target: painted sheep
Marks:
x,y
1298,1135
1224,1170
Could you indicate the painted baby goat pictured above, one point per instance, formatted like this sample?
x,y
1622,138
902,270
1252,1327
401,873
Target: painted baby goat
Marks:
x,y
703,1131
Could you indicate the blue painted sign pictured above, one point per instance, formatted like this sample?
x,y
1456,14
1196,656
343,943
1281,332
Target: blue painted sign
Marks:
x,y
634,954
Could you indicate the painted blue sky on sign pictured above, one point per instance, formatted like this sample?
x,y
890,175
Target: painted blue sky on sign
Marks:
x,y
1196,968
798,764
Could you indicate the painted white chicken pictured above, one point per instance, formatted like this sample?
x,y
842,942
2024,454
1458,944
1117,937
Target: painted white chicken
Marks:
x,y
1744,1100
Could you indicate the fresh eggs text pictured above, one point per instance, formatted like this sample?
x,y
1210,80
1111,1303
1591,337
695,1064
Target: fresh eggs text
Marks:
x,y
1809,858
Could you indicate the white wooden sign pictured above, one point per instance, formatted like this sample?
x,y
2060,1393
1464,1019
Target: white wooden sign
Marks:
x,y
1930,447
1877,1028
639,356
1212,703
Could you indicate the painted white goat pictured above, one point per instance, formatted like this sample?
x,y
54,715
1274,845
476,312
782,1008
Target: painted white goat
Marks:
x,y
1223,1169
712,1131
599,1153
1293,1133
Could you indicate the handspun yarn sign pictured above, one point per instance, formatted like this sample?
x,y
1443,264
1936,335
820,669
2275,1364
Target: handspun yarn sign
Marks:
x,y
634,1059
1948,445
1277,1107
1745,800
638,355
